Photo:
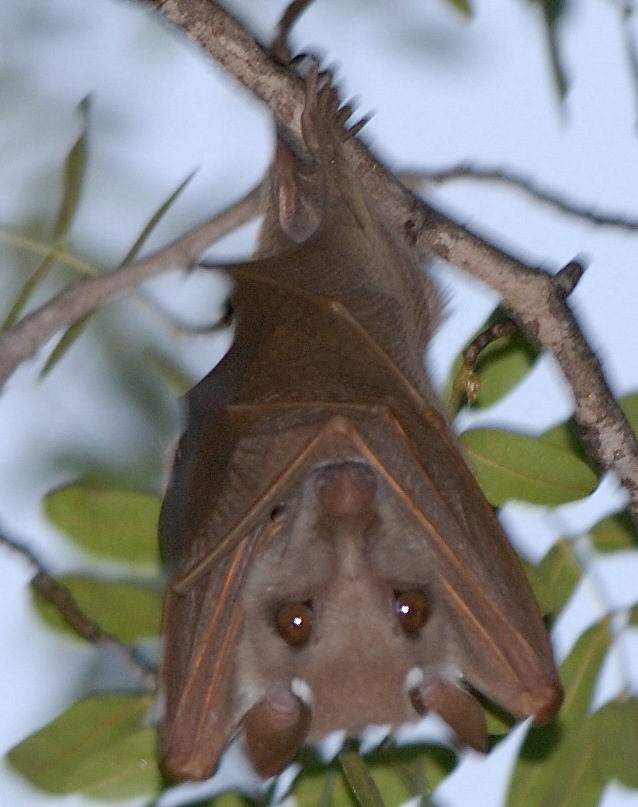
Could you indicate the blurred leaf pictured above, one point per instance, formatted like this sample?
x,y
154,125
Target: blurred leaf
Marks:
x,y
561,573
423,767
155,219
557,765
120,524
399,774
230,799
463,6
614,533
74,331
67,340
499,722
629,405
74,170
170,373
363,786
616,726
101,746
327,788
126,610
540,587
126,769
29,286
500,366
565,436
510,466
552,11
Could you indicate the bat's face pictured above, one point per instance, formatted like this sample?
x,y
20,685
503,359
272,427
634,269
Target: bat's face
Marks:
x,y
343,624
345,598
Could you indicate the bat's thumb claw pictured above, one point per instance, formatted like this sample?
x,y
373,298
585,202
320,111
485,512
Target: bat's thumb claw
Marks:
x,y
275,729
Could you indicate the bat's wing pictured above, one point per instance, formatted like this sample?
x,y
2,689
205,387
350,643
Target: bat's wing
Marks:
x,y
493,635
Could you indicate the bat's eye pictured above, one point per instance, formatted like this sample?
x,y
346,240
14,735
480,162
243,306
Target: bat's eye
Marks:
x,y
294,623
412,610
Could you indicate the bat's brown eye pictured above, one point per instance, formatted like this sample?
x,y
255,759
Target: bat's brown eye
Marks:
x,y
412,610
294,623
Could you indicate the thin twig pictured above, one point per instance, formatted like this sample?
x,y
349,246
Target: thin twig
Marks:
x,y
20,341
68,608
413,179
467,382
529,293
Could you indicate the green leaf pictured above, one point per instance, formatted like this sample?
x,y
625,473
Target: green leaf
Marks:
x,y
129,611
74,331
398,773
170,372
120,524
101,746
363,786
423,767
126,769
230,799
614,533
499,722
510,466
629,405
74,171
155,219
552,11
557,765
616,726
67,340
463,6
29,286
327,788
565,437
561,573
540,587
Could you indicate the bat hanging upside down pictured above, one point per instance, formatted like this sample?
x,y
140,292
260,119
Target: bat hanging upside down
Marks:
x,y
333,562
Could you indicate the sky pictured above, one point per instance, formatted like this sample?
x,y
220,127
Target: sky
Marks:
x,y
442,90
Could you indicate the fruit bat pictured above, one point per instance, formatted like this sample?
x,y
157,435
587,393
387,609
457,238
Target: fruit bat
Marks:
x,y
333,563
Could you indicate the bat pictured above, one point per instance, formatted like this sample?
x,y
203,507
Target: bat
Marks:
x,y
333,563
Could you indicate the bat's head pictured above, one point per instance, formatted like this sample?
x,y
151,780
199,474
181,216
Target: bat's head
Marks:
x,y
350,599
347,623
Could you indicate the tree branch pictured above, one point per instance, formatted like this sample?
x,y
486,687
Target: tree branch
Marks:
x,y
413,179
20,341
530,295
86,628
